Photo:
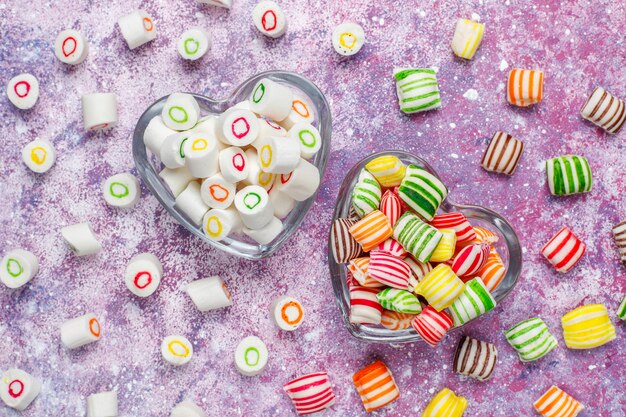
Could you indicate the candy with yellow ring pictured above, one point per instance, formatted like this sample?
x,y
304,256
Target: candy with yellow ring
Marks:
x,y
176,350
279,155
256,175
348,38
587,327
201,153
218,224
39,155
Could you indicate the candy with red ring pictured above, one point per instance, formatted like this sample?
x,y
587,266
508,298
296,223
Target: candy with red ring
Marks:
x,y
564,250
287,313
364,306
71,47
209,293
269,19
102,404
301,112
391,206
343,246
201,155
301,183
137,28
217,193
308,137
271,99
464,231
389,270
191,203
80,331
233,164
237,127
176,350
267,233
143,274
310,393
23,91
432,325
392,247
18,389
470,259
99,110
267,129
279,155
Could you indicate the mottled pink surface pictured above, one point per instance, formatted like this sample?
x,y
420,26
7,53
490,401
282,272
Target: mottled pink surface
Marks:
x,y
578,44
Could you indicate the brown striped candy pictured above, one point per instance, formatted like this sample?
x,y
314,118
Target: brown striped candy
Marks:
x,y
343,245
475,358
502,154
605,110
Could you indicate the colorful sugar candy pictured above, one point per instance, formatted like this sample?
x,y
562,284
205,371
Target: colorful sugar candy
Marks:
x,y
371,230
392,247
269,19
525,87
557,403
432,325
467,38
470,259
605,110
359,267
458,222
493,271
568,175
440,287
418,238
564,250
388,170
251,356
343,246
417,89
18,389
621,310
445,404
376,386
389,270
310,393
364,306
366,194
502,154
474,301
475,358
422,191
18,267
23,91
176,350
531,339
390,206
401,301
619,235
445,249
394,320
587,327
348,38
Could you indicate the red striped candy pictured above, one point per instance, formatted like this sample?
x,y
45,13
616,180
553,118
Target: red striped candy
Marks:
x,y
391,206
364,306
457,222
432,325
564,250
392,247
389,270
350,280
470,259
310,393
403,206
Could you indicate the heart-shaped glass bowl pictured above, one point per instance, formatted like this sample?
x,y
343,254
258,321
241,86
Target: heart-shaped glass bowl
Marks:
x,y
149,166
507,246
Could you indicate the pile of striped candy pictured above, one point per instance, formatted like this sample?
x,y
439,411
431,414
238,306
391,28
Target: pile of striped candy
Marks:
x,y
407,265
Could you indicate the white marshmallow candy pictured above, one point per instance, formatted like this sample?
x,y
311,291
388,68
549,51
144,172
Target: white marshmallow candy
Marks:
x,y
143,274
348,38
172,152
18,267
187,409
256,176
271,99
205,125
302,183
233,164
102,404
176,350
193,44
176,179
237,127
287,313
269,19
80,331
137,28
267,233
99,111
301,112
254,207
201,153
190,202
155,134
18,389
218,224
23,91
80,239
209,293
227,4
217,193
71,47
279,155
282,203
39,155
121,190
267,129
308,137
180,112
251,356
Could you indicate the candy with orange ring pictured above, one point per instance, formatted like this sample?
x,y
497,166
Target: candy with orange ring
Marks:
x,y
525,87
348,38
371,230
39,155
23,91
269,19
71,47
18,389
217,193
287,313
80,331
137,28
301,112
218,224
201,153
209,293
376,386
143,274
176,350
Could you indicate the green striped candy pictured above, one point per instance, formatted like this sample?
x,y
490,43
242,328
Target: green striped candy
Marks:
x,y
568,174
621,310
417,90
398,300
417,237
366,194
531,339
474,301
422,191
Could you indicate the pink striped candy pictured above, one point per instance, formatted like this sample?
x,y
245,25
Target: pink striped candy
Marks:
x,y
432,325
360,270
470,259
391,206
564,250
389,270
458,222
350,280
419,269
392,247
310,393
364,306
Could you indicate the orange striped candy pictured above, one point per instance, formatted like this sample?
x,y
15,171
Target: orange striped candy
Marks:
x,y
394,320
557,403
493,271
359,268
485,235
376,386
372,230
525,87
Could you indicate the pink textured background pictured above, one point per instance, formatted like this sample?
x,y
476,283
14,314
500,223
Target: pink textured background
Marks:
x,y
578,44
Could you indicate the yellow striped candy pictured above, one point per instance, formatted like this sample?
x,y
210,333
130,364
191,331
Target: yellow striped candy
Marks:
x,y
440,287
467,38
587,327
446,246
388,170
445,404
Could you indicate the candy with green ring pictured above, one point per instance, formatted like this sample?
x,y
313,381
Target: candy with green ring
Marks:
x,y
99,110
23,91
218,224
80,331
39,155
71,47
201,154
187,409
417,89
271,99
474,301
301,183
402,301
269,19
256,176
121,190
18,267
279,155
137,28
267,233
422,191
18,389
81,239
237,127
251,356
569,174
531,339
143,274
418,238
253,204
209,293
155,134
621,310
176,350
102,404
193,44
172,152
366,194
309,138
180,111
176,180
191,203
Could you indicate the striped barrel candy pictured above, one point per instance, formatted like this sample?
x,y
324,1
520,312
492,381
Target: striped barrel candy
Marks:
x,y
371,230
350,280
366,194
557,403
375,386
493,271
417,89
359,267
310,393
389,270
459,223
467,38
418,238
531,339
418,269
525,87
485,235
621,310
440,287
569,174
432,325
564,250
401,301
343,245
587,327
605,110
502,154
389,170
391,206
422,191
445,404
392,247
471,259
619,235
364,306
475,358
445,249
394,320
473,302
